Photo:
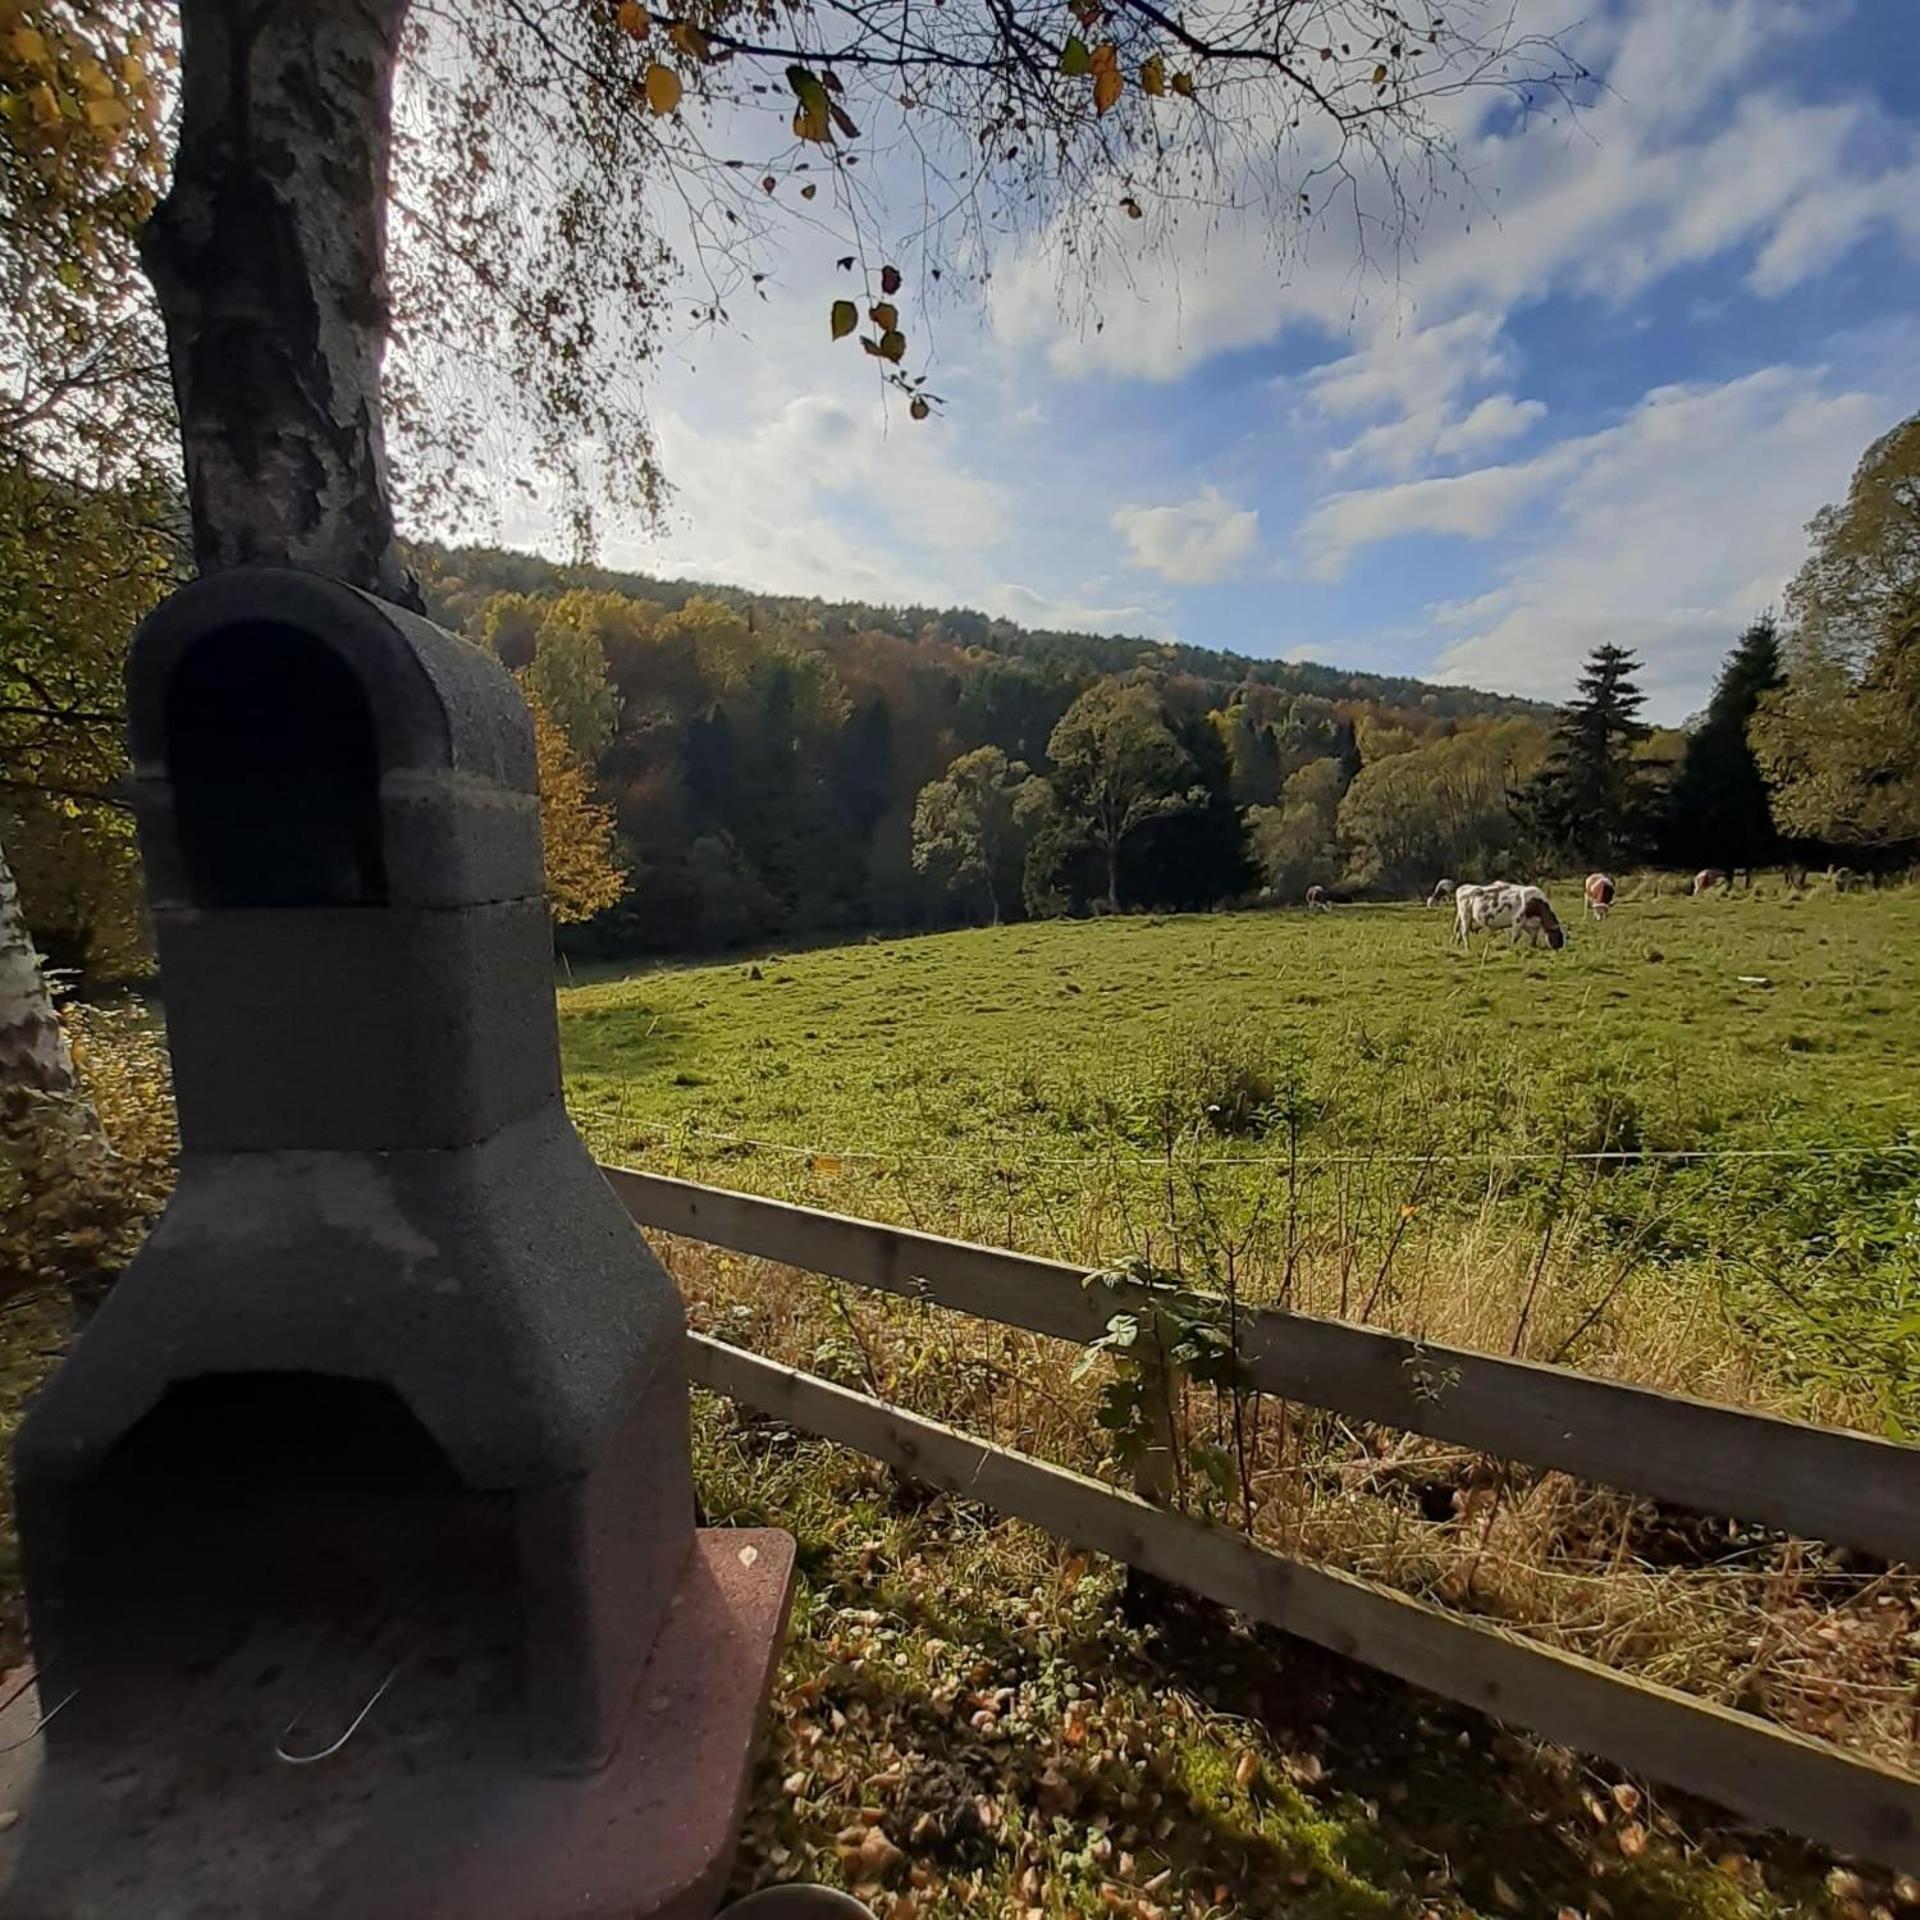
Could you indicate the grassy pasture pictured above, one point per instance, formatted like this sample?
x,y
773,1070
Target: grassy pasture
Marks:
x,y
1324,1093
1347,1112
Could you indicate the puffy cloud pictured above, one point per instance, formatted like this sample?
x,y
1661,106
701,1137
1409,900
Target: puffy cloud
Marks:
x,y
1474,505
1011,601
1654,174
1206,539
1408,368
1671,530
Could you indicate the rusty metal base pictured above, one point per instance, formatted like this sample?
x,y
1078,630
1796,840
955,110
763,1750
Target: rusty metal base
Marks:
x,y
404,1822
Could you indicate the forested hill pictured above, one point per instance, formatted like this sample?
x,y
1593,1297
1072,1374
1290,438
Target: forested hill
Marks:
x,y
459,580
772,766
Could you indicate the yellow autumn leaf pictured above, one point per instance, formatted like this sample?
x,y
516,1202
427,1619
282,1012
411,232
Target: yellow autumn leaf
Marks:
x,y
885,316
893,345
1153,76
1183,85
810,123
1107,88
1380,76
691,41
846,316
30,49
663,88
105,116
634,19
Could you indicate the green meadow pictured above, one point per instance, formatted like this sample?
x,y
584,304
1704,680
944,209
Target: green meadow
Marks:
x,y
1722,1089
1680,1151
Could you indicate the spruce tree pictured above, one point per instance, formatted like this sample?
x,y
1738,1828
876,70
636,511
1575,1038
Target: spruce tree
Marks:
x,y
1591,799
1720,811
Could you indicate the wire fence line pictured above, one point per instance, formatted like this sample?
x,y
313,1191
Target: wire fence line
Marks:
x,y
1016,1155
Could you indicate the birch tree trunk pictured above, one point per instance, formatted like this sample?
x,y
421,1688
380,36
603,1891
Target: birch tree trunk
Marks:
x,y
33,1045
268,255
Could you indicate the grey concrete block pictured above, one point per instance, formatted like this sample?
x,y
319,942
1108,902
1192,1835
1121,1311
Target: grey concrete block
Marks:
x,y
344,1027
438,701
451,841
501,1292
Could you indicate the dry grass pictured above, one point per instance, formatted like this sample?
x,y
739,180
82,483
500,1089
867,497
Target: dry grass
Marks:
x,y
1814,1638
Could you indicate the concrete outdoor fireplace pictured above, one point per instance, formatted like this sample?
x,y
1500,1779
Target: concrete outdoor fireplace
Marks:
x,y
358,1528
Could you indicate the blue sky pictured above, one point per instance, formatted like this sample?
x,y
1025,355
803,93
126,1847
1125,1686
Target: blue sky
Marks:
x,y
1603,407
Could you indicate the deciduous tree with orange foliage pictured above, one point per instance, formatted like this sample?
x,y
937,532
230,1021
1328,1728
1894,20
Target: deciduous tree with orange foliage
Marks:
x,y
584,874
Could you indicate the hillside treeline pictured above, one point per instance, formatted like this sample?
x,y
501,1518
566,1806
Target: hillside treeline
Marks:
x,y
725,768
780,767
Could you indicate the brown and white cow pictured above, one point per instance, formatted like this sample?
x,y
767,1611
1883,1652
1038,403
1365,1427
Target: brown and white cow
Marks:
x,y
1526,910
1317,901
1599,892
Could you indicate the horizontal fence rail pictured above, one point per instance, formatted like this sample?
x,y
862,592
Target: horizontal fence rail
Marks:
x,y
1817,1482
1762,1772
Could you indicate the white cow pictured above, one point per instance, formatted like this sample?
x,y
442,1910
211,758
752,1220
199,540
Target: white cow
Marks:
x,y
1526,910
1442,892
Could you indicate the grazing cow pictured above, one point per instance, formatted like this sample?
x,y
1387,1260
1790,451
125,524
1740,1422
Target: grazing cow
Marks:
x,y
1317,901
1538,921
1708,878
1526,910
1843,879
1442,892
1599,892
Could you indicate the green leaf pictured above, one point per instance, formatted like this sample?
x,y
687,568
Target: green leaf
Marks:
x,y
846,316
1074,56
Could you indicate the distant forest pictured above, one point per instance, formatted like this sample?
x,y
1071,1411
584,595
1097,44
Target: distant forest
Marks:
x,y
779,766
721,769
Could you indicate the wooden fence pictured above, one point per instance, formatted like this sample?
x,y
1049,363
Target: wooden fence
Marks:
x,y
1816,1482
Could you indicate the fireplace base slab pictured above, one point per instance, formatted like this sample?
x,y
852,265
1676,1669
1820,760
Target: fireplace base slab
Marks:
x,y
404,1822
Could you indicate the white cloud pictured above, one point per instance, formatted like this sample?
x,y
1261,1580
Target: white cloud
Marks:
x,y
1671,530
1437,434
1011,601
1205,540
1474,506
1411,368
1653,175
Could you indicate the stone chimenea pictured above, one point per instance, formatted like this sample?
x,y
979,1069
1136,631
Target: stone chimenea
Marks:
x,y
384,1433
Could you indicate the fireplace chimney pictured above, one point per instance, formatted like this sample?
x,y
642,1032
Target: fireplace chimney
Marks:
x,y
382,1438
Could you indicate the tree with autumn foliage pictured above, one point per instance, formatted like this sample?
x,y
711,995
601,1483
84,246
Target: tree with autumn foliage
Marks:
x,y
509,220
584,874
1840,740
85,437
